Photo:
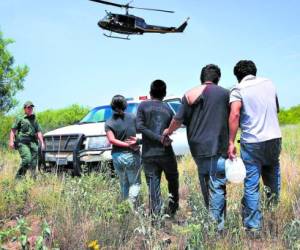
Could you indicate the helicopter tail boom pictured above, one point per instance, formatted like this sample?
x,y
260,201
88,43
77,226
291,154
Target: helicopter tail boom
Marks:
x,y
182,27
164,30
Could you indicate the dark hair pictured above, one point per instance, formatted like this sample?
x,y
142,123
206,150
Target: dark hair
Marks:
x,y
118,104
210,72
244,68
158,89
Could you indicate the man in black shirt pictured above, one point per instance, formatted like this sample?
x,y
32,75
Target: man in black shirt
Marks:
x,y
205,111
153,117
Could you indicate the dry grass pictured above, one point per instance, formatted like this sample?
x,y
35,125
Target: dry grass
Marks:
x,y
86,209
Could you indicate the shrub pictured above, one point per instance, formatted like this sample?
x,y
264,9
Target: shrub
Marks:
x,y
289,116
52,119
5,126
13,196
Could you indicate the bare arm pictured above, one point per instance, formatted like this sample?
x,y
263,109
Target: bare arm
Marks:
x,y
234,119
112,139
12,136
174,125
41,139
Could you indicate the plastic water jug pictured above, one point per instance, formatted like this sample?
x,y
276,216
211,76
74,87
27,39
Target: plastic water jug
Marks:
x,y
235,170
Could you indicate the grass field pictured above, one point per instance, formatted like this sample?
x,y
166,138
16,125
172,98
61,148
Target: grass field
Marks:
x,y
60,212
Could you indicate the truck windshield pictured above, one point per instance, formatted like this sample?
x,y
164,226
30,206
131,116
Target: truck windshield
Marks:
x,y
103,113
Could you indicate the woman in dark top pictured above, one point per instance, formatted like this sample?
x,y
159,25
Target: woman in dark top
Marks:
x,y
121,133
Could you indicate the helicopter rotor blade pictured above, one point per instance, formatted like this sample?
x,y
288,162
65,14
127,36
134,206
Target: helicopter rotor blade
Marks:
x,y
110,3
168,11
128,6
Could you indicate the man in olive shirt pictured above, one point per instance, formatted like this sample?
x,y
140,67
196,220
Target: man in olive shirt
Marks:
x,y
24,136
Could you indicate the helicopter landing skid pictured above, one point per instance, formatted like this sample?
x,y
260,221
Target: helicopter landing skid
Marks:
x,y
117,37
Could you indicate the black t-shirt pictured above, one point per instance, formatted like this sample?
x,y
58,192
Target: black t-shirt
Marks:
x,y
153,117
123,127
207,122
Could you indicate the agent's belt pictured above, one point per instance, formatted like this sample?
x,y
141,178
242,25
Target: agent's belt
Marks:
x,y
27,139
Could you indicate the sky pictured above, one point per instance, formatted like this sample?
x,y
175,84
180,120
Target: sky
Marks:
x,y
71,61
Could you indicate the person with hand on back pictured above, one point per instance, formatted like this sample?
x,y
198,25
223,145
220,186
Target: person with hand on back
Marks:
x,y
153,117
121,133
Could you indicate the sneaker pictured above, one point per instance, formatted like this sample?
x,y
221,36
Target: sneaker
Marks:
x,y
172,209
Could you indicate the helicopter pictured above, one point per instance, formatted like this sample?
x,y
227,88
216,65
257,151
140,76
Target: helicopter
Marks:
x,y
127,24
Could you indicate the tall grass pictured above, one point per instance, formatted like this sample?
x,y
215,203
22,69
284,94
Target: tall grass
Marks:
x,y
89,211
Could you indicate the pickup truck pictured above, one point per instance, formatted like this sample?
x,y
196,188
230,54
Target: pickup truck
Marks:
x,y
85,143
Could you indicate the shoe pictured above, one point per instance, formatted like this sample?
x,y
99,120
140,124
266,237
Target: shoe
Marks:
x,y
171,211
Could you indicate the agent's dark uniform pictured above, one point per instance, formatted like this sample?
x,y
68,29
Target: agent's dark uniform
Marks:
x,y
26,142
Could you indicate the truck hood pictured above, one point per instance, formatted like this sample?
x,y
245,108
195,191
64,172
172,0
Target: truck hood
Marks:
x,y
88,129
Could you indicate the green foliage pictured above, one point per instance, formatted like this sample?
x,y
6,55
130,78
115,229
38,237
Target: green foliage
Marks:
x,y
5,126
13,196
6,234
23,228
51,119
292,234
289,116
20,233
11,77
45,234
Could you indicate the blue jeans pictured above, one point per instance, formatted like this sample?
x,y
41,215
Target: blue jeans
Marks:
x,y
127,166
211,171
260,159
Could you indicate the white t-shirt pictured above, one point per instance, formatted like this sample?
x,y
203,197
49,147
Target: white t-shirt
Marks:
x,y
258,120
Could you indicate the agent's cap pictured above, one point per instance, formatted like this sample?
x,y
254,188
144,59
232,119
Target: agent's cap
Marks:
x,y
28,104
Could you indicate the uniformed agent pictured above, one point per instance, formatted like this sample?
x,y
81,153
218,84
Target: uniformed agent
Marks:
x,y
24,136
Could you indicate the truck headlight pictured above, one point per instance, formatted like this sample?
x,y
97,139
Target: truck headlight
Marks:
x,y
97,142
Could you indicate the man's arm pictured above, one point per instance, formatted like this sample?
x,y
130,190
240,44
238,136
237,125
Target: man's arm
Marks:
x,y
174,125
142,128
12,136
179,118
41,139
234,119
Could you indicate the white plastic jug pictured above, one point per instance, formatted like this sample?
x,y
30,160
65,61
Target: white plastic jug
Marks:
x,y
235,170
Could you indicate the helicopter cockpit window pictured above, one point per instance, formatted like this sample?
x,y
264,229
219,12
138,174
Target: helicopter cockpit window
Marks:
x,y
126,20
109,17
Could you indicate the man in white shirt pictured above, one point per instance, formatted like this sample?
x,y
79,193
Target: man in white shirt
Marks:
x,y
254,107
